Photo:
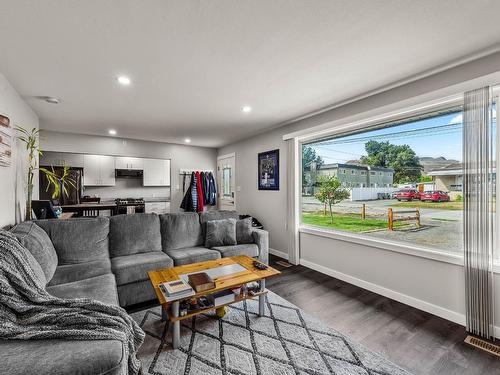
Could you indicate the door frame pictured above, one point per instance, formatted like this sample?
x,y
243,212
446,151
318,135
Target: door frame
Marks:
x,y
221,157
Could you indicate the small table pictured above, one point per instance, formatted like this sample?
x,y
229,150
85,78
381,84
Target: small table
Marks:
x,y
249,273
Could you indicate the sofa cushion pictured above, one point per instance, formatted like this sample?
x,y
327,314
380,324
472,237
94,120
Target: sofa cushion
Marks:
x,y
138,292
37,269
132,234
38,243
180,230
135,267
78,240
251,249
244,231
101,288
220,233
61,357
80,271
192,255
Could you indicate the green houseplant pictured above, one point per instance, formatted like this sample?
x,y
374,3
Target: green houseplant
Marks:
x,y
55,182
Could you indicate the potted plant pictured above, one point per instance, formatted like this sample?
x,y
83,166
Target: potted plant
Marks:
x,y
55,182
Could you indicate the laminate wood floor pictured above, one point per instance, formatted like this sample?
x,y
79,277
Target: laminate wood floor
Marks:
x,y
418,341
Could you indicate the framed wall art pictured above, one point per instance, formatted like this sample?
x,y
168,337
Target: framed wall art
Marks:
x,y
269,170
5,142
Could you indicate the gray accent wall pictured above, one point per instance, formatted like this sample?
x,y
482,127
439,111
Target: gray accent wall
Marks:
x,y
12,179
435,286
188,157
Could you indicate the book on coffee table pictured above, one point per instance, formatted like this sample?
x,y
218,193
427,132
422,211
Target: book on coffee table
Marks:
x,y
201,282
176,289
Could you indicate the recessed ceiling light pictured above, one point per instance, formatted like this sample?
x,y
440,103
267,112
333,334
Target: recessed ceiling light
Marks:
x,y
124,80
187,140
246,109
112,131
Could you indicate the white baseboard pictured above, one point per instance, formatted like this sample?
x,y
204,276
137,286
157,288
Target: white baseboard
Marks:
x,y
278,253
389,293
412,301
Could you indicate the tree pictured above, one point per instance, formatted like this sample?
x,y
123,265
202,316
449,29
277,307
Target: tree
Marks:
x,y
311,162
330,192
401,158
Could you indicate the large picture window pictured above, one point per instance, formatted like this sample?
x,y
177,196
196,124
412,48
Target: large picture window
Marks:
x,y
399,182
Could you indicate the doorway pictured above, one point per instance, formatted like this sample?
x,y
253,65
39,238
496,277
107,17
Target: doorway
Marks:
x,y
226,182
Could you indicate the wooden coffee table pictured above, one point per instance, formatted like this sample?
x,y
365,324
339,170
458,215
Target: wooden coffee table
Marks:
x,y
246,274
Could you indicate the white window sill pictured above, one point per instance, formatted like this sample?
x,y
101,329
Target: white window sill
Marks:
x,y
397,247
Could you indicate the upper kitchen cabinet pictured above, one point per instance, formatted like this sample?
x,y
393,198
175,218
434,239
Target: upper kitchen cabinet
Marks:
x,y
129,163
98,170
156,172
60,159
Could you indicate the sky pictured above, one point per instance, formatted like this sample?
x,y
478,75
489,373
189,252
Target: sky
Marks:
x,y
439,136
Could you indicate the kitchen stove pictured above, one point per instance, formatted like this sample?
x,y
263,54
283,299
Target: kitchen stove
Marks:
x,y
129,205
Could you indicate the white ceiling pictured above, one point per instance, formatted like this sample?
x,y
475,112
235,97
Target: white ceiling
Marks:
x,y
193,64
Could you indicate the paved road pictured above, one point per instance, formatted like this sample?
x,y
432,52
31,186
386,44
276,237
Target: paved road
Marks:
x,y
441,229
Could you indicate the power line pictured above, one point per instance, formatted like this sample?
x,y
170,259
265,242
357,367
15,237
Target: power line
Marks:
x,y
442,129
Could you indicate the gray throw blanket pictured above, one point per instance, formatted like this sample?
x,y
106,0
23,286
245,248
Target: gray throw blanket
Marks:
x,y
27,311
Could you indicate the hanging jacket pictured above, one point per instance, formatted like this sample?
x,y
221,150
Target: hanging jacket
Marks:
x,y
207,182
187,203
204,186
194,193
212,190
199,207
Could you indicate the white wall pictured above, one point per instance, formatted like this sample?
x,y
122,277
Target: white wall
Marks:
x,y
181,156
413,280
12,181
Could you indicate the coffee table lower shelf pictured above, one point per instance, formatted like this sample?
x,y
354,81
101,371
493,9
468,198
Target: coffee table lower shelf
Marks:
x,y
239,298
170,312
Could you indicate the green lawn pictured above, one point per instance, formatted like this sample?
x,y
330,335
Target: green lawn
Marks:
x,y
349,223
456,206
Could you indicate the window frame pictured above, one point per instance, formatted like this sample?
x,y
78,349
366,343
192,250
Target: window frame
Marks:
x,y
389,245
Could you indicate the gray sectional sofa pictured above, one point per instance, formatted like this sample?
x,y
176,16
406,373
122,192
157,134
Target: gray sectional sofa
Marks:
x,y
107,260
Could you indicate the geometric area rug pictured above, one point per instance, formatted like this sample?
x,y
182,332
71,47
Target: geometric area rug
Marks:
x,y
285,341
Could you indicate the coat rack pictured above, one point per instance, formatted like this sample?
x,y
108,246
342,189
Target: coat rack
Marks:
x,y
189,171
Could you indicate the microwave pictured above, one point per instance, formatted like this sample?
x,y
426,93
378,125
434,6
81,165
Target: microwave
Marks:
x,y
128,173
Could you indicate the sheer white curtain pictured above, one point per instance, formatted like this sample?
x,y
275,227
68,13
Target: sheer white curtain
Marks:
x,y
479,188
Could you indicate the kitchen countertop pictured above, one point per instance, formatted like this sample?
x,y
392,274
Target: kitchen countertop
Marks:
x,y
146,200
156,199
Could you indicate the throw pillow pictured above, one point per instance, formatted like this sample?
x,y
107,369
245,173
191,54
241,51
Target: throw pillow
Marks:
x,y
244,231
220,233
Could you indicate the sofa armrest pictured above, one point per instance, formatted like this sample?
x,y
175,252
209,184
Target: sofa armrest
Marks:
x,y
261,238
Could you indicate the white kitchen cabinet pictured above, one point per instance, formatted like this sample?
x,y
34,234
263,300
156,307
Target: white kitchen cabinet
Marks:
x,y
156,172
157,207
60,159
98,170
123,162
107,169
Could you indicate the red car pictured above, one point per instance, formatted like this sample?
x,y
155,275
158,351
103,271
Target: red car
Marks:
x,y
407,195
435,196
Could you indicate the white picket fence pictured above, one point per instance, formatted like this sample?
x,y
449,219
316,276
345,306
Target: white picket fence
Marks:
x,y
365,194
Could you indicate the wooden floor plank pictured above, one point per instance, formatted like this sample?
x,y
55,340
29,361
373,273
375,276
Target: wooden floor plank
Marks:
x,y
416,340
